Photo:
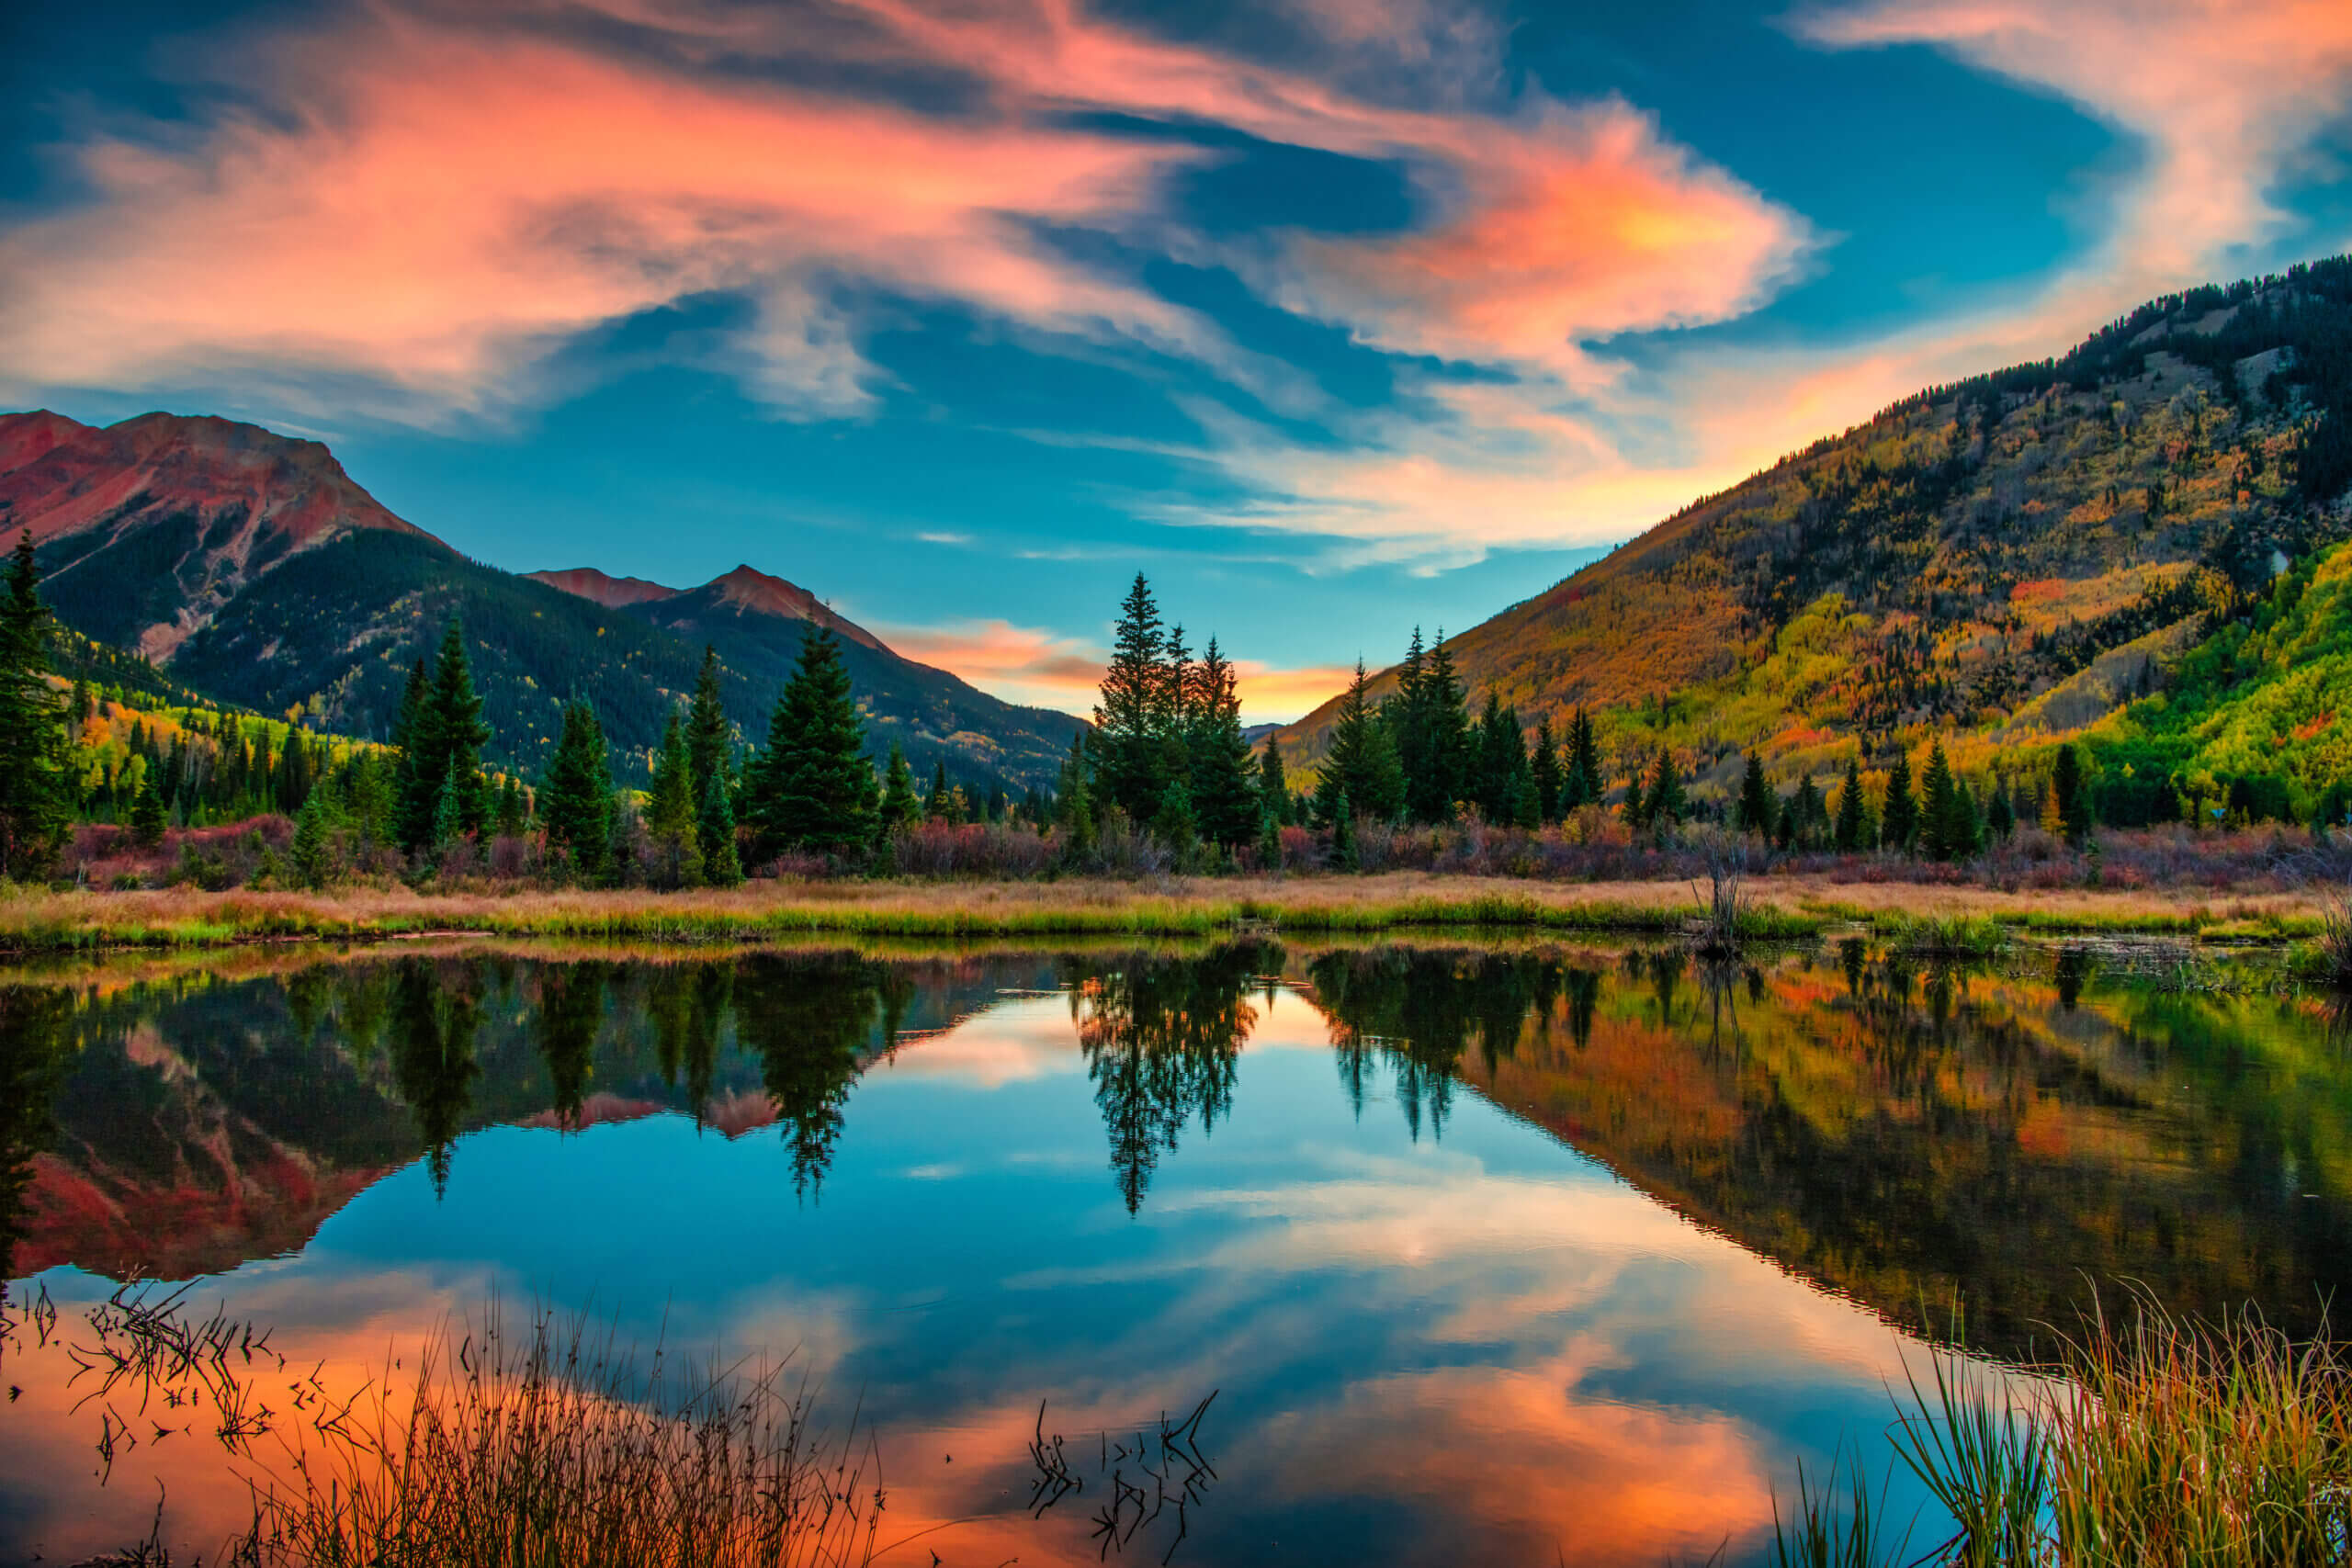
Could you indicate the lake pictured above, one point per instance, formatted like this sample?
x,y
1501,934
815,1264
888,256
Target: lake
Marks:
x,y
1509,1253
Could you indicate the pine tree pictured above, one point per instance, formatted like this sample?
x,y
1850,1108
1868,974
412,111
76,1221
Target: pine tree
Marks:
x,y
1850,807
1361,766
2069,796
1270,842
814,789
671,817
147,817
35,807
1432,731
1584,781
1274,789
1812,812
709,739
900,808
936,805
443,741
722,864
1938,808
309,852
1966,832
510,810
1666,806
1502,758
1344,832
1223,795
1543,768
1074,804
1753,812
448,813
2000,817
576,801
1898,812
1133,720
1174,824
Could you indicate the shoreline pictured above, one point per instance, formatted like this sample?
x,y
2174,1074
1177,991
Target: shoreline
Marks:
x,y
33,924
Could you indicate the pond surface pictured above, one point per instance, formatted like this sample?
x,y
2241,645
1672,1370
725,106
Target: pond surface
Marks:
x,y
1499,1254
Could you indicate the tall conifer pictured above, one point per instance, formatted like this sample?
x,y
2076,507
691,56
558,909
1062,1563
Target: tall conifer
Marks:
x,y
813,788
34,808
1898,812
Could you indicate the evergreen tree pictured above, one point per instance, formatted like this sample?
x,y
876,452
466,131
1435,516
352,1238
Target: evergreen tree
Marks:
x,y
1361,767
708,741
1174,824
899,806
1850,807
1224,798
1270,842
1502,762
1814,808
722,864
2069,797
1584,780
1898,812
1666,806
510,810
310,852
1938,809
671,817
1753,813
576,801
1074,804
147,817
448,814
1138,703
936,805
2000,817
1965,832
814,789
1432,731
1344,832
1543,767
35,805
443,744
1274,789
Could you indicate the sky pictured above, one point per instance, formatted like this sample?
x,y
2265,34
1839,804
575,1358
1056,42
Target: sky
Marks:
x,y
1333,317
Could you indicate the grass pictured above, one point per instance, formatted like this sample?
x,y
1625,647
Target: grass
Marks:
x,y
1945,918
2156,1444
557,1448
38,922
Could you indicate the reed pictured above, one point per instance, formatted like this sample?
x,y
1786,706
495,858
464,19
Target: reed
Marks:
x,y
555,1446
2152,1444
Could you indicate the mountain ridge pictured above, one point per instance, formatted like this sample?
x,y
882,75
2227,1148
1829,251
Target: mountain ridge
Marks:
x,y
1977,562
251,567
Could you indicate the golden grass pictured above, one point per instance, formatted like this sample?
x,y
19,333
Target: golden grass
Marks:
x,y
35,922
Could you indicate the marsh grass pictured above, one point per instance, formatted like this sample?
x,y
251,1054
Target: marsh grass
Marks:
x,y
2152,1444
40,921
555,1446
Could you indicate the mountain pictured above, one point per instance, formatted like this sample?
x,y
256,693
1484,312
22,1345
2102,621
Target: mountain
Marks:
x,y
2021,558
251,566
611,592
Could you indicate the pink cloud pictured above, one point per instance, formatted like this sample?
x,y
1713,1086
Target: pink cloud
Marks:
x,y
432,207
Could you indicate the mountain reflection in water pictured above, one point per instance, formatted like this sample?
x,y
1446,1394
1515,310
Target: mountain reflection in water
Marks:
x,y
1494,1251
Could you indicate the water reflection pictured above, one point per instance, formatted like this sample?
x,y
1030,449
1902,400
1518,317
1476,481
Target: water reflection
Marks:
x,y
1584,1255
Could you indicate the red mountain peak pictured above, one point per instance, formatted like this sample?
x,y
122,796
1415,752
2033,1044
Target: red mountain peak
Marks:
x,y
602,587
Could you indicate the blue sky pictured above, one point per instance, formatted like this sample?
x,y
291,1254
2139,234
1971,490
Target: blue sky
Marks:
x,y
1334,316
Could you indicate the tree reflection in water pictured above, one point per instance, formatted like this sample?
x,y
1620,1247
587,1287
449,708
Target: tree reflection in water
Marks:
x,y
1161,1036
33,1024
811,1019
433,1019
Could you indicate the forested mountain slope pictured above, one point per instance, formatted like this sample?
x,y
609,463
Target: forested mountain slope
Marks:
x,y
251,567
2005,562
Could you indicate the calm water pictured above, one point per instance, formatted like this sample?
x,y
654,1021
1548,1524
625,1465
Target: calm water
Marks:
x,y
1503,1254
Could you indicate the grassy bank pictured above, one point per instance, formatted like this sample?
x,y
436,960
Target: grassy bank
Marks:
x,y
1929,918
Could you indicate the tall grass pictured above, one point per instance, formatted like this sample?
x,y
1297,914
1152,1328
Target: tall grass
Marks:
x,y
2156,1444
556,1448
